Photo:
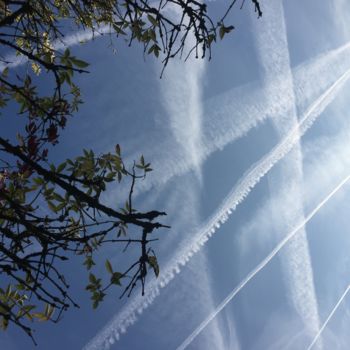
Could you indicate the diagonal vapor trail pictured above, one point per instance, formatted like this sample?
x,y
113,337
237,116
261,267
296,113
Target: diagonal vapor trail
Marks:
x,y
261,265
231,115
271,36
13,61
182,99
329,318
247,102
128,315
181,95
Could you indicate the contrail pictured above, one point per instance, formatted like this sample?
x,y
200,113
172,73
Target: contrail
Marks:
x,y
262,264
128,315
231,115
182,98
329,317
246,102
12,61
271,36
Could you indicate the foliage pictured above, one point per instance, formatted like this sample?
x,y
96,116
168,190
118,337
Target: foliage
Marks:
x,y
50,213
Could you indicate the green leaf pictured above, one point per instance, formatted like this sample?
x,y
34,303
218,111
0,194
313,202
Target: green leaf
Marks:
x,y
79,63
5,72
40,316
118,29
224,30
4,323
39,180
58,197
92,278
61,167
61,206
211,38
152,20
49,309
155,49
109,266
110,176
89,262
115,279
66,53
52,206
28,308
152,260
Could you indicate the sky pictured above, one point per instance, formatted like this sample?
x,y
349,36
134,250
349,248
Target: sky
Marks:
x,y
251,162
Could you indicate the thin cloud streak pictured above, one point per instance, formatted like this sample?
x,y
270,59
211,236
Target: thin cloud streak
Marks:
x,y
182,98
128,315
329,318
181,93
231,115
261,265
246,102
271,37
13,61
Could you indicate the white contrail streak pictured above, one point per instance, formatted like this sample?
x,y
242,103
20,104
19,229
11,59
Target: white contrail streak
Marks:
x,y
231,115
128,315
13,61
285,184
247,103
261,265
182,98
329,317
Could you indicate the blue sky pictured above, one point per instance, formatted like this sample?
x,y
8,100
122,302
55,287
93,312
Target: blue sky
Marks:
x,y
243,148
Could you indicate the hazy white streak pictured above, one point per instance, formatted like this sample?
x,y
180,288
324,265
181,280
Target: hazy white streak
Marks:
x,y
13,61
128,316
182,98
271,37
247,104
231,115
329,317
261,265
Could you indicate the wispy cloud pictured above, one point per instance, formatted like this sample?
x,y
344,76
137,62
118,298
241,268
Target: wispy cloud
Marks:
x,y
231,115
181,90
329,317
261,265
193,288
341,13
128,315
272,47
12,61
327,161
233,340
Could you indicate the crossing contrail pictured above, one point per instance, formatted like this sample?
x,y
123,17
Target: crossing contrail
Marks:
x,y
261,265
181,93
232,114
246,102
128,315
271,36
329,318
